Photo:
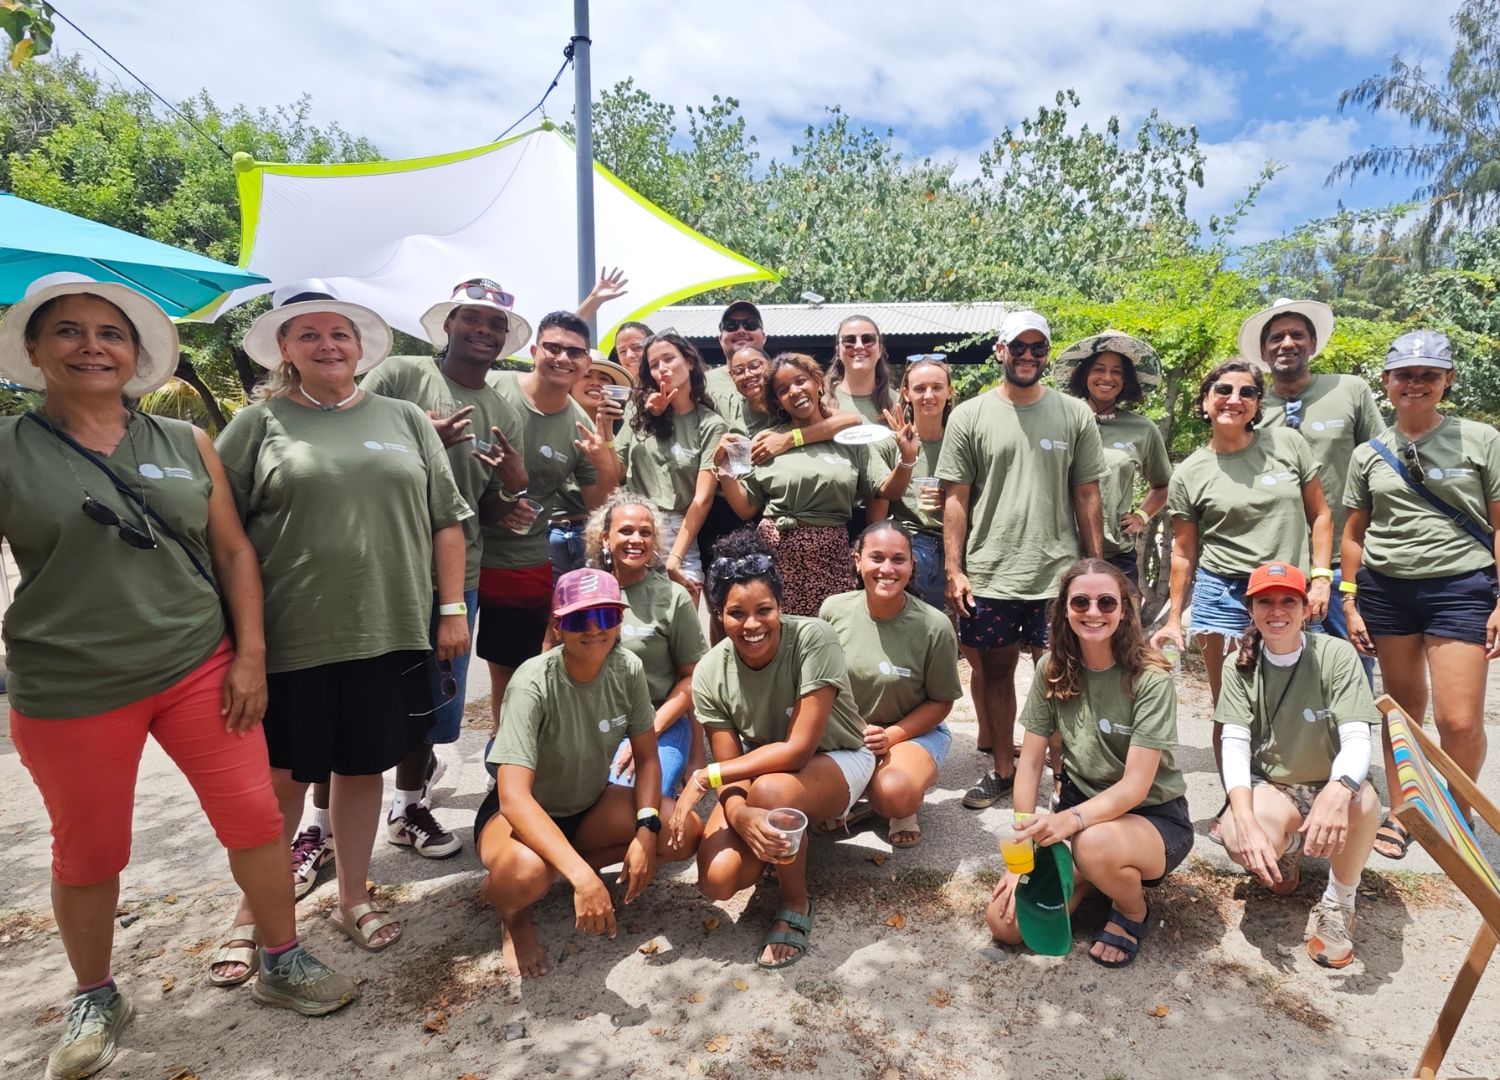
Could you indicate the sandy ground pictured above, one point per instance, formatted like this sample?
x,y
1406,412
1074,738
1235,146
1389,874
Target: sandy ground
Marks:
x,y
902,980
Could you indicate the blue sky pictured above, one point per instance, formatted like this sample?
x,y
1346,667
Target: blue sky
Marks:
x,y
1259,78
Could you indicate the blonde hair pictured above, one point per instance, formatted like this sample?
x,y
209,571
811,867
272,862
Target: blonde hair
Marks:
x,y
284,378
595,552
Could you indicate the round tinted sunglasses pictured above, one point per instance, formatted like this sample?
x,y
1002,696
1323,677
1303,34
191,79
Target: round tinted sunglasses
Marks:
x,y
605,618
1106,604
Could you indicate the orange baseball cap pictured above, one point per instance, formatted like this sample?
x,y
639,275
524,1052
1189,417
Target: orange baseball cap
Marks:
x,y
1277,575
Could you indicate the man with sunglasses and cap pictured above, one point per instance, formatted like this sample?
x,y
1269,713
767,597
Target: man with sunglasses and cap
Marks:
x,y
481,431
1020,467
1334,413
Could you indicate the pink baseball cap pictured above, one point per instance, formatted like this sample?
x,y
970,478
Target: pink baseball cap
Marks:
x,y
581,590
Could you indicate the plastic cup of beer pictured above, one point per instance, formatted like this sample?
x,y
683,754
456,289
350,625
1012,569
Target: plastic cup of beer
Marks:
x,y
929,493
737,457
536,510
1019,854
792,824
616,392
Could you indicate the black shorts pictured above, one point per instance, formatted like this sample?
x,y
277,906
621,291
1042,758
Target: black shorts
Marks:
x,y
510,636
1126,563
1170,818
568,823
998,623
1457,606
354,718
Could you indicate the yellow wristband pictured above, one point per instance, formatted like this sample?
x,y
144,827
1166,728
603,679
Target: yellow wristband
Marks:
x,y
1321,572
715,776
796,436
1348,588
1022,815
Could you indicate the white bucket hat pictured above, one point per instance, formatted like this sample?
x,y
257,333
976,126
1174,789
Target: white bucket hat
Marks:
x,y
1141,356
478,292
1315,312
306,297
155,361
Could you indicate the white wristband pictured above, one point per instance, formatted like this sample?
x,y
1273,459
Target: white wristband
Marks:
x,y
459,608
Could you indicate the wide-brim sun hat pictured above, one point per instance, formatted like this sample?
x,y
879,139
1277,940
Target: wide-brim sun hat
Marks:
x,y
156,358
1316,312
261,343
486,294
1142,356
615,372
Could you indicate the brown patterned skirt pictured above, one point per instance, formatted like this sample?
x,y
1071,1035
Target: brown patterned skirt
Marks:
x,y
814,562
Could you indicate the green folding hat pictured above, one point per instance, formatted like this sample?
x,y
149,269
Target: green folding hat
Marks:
x,y
1042,902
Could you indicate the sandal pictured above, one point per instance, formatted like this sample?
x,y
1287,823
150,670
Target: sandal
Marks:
x,y
1125,945
230,953
361,934
801,925
857,813
1394,836
904,825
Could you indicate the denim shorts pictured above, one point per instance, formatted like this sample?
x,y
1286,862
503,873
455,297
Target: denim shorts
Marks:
x,y
1171,819
1457,606
936,742
565,546
928,575
672,748
1219,605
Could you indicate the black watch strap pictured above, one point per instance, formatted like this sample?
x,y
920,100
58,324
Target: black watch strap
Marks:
x,y
652,822
1348,782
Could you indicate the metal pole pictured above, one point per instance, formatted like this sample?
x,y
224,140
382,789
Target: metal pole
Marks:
x,y
584,121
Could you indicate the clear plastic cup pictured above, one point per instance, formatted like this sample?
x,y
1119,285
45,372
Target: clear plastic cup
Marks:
x,y
615,392
929,493
1019,854
536,509
792,824
737,457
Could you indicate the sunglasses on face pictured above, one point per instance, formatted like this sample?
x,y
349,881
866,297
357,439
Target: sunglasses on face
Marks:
x,y
1106,604
1413,464
729,326
605,618
485,290
851,340
1224,389
1426,378
574,353
1038,349
97,511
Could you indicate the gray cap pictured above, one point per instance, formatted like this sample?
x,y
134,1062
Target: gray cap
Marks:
x,y
1420,348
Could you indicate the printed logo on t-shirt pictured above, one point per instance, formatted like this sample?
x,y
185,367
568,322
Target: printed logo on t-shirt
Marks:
x,y
1327,425
678,450
1315,716
834,459
547,452
152,471
1270,479
1113,727
1053,444
636,631
888,668
1123,445
400,448
1435,473
613,722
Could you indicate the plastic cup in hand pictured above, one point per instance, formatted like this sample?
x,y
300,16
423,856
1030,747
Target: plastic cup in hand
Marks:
x,y
737,458
929,493
1173,655
617,393
536,511
792,824
1019,854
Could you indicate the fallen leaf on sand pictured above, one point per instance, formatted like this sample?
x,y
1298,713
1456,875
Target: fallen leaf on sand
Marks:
x,y
469,1076
897,921
181,1072
1158,1012
169,899
694,1066
437,1024
719,1044
879,858
695,997
711,923
654,1031
650,947
47,1015
939,999
167,983
741,985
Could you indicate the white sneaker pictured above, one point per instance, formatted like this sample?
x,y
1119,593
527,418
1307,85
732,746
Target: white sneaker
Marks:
x,y
418,829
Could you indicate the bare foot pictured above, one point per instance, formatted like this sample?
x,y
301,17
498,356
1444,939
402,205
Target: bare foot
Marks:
x,y
778,954
525,956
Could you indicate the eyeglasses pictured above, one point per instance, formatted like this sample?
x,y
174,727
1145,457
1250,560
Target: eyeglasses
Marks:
x,y
101,513
573,352
729,326
1038,349
1247,393
605,618
755,367
1293,413
484,289
1107,604
850,340
1413,464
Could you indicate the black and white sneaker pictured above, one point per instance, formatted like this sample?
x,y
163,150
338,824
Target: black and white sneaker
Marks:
x,y
988,790
419,830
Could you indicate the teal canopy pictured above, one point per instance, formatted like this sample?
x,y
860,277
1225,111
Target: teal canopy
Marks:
x,y
37,240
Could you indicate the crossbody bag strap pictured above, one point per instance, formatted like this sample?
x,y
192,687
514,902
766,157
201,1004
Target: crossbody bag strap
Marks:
x,y
1452,513
133,497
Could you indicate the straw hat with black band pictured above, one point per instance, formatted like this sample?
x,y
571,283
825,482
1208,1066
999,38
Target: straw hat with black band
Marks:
x,y
261,342
1318,315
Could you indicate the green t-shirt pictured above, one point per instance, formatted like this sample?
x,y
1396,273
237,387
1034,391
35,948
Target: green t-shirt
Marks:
x,y
741,417
909,510
661,628
758,705
552,459
1409,538
816,484
1100,725
721,389
341,507
1338,414
1133,446
418,379
1247,505
95,623
863,404
665,470
567,732
1298,744
1021,463
894,664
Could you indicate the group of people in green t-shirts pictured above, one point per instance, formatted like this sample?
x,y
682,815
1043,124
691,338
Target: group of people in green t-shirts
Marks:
x,y
293,605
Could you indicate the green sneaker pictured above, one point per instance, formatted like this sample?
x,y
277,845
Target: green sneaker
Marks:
x,y
298,980
94,1022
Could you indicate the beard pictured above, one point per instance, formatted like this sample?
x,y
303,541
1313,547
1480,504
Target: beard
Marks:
x,y
1022,381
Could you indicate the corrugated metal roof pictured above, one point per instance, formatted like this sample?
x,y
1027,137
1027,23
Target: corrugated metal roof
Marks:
x,y
924,318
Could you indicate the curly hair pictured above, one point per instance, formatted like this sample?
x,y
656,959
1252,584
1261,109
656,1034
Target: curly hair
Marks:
x,y
1064,672
1225,368
881,398
642,422
1129,395
600,521
908,410
740,558
809,367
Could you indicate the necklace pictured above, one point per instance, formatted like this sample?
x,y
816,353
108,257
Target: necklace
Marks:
x,y
327,408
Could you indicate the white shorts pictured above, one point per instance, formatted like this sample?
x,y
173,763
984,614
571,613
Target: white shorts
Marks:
x,y
857,766
668,526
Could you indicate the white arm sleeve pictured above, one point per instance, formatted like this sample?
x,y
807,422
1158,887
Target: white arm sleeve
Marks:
x,y
1236,755
1353,758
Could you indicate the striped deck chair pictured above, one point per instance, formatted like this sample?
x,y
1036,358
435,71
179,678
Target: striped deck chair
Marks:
x,y
1429,778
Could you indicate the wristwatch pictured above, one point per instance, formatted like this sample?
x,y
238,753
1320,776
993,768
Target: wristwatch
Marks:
x,y
1349,783
651,821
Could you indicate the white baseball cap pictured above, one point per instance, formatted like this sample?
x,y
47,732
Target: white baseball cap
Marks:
x,y
1017,323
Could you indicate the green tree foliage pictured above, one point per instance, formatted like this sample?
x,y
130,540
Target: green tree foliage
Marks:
x,y
1460,114
29,26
